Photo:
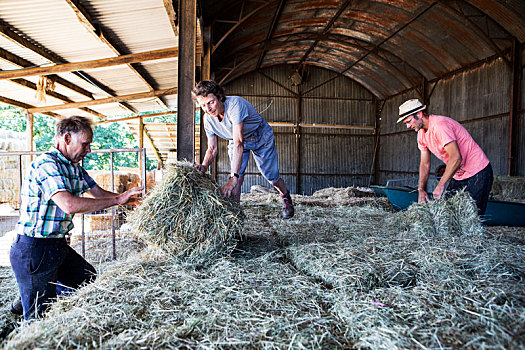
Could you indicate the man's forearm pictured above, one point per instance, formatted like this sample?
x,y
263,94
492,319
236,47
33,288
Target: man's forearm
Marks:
x,y
78,205
208,158
238,150
424,171
450,170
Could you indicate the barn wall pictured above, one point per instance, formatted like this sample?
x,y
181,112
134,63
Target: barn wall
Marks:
x,y
479,99
521,129
326,157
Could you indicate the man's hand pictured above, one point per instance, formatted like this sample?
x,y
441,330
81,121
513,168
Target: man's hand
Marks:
x,y
422,196
228,188
123,198
438,191
199,167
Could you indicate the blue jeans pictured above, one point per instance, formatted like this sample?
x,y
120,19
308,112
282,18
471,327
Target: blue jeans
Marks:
x,y
478,186
262,145
42,267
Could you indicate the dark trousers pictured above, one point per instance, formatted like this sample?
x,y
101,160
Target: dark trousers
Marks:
x,y
478,186
43,266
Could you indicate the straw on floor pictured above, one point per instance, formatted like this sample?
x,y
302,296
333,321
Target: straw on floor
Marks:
x,y
329,278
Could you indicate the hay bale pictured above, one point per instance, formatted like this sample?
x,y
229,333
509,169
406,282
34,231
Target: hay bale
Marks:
x,y
187,216
508,188
344,193
457,215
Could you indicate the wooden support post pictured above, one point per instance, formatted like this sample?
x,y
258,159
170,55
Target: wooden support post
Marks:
x,y
141,132
29,130
298,143
515,92
377,140
206,75
141,142
186,81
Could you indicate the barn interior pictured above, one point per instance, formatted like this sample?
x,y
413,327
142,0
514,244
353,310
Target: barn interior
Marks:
x,y
329,77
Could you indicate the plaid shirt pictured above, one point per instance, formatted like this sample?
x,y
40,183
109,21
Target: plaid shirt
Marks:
x,y
50,173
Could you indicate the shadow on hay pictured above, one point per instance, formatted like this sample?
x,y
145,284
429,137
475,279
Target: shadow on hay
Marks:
x,y
254,246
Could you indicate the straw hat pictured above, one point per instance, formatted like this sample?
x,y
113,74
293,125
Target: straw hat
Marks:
x,y
410,107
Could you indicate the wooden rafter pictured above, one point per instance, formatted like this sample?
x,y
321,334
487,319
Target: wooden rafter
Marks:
x,y
172,14
101,34
30,85
160,114
93,64
11,35
23,63
23,105
124,98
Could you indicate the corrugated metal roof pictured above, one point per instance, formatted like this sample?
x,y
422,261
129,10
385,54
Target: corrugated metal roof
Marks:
x,y
386,45
133,27
40,32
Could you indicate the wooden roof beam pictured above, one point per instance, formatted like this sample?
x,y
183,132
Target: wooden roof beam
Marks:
x,y
160,114
98,32
115,99
93,64
23,105
172,14
23,63
11,35
30,85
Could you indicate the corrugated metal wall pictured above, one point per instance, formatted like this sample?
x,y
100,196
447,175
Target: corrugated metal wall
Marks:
x,y
327,157
479,99
521,130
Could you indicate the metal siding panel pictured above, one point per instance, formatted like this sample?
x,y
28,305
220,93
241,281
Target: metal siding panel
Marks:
x,y
333,153
521,140
479,93
344,112
521,130
474,94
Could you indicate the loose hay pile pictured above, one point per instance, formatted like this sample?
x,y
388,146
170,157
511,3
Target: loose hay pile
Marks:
x,y
508,188
187,216
8,291
326,197
457,216
329,278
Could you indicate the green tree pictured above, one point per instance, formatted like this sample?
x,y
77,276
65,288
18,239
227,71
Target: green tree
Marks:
x,y
105,136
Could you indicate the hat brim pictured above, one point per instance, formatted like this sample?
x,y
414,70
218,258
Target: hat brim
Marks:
x,y
409,113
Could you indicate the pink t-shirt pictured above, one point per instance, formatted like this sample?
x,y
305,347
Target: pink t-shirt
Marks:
x,y
443,130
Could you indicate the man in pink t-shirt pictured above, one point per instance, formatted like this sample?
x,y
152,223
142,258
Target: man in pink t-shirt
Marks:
x,y
467,166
